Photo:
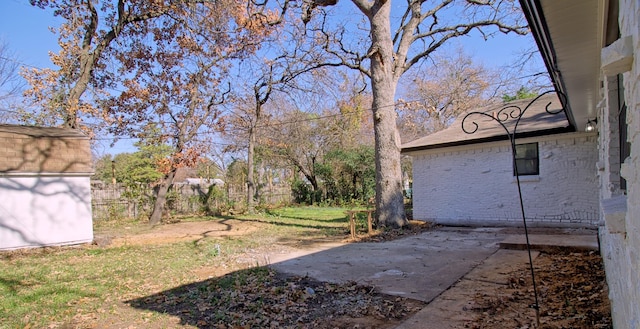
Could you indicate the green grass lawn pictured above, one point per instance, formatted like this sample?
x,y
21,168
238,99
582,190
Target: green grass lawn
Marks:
x,y
55,286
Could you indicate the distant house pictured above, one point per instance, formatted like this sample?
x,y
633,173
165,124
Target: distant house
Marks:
x,y
204,181
189,176
469,179
44,187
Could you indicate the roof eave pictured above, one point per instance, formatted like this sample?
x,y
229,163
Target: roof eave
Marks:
x,y
497,138
570,36
537,24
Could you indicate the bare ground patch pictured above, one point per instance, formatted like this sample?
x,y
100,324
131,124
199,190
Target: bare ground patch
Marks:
x,y
572,294
176,232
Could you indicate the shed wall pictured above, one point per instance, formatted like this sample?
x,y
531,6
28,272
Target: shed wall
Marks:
x,y
44,211
474,184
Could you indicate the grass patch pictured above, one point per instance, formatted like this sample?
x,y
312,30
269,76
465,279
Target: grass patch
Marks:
x,y
320,215
52,287
306,222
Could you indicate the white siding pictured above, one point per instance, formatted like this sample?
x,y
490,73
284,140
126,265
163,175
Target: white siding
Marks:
x,y
474,185
43,211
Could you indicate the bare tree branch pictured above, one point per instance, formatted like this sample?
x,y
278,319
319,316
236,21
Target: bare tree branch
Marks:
x,y
424,27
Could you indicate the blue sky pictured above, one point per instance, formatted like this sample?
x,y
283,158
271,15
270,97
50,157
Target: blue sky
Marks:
x,y
25,29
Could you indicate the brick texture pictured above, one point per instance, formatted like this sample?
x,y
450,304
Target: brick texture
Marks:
x,y
49,150
474,185
621,250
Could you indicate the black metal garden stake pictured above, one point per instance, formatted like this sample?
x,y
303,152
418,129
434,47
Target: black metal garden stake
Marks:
x,y
510,113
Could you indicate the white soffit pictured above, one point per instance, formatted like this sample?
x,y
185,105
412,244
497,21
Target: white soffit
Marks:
x,y
576,29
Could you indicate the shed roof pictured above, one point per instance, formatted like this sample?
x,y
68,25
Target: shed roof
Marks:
x,y
536,121
30,149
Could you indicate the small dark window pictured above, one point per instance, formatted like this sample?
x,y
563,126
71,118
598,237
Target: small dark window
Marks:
x,y
527,161
625,146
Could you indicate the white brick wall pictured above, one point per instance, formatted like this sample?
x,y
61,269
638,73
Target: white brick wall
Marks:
x,y
474,185
621,244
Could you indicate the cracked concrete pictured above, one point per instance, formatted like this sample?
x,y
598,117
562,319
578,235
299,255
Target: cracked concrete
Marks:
x,y
418,267
445,267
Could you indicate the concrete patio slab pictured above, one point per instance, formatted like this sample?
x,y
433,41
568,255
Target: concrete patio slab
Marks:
x,y
455,306
445,267
582,242
418,267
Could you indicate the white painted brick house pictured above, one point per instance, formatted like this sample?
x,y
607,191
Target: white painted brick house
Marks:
x,y
592,52
469,179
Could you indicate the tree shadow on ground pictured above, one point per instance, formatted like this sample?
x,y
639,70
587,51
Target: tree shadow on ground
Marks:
x,y
298,225
334,220
261,298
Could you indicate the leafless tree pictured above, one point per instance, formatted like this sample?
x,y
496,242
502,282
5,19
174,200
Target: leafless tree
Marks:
x,y
10,82
438,93
290,62
392,48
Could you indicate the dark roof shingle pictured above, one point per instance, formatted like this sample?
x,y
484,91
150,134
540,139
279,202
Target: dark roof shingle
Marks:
x,y
536,121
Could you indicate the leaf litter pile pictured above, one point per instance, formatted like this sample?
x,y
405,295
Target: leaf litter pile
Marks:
x,y
571,286
261,298
572,293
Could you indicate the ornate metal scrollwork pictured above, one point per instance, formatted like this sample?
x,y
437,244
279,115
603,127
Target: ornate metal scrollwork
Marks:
x,y
510,113
509,118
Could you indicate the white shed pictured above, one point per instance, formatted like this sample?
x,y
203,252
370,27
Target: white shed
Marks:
x,y
469,179
45,187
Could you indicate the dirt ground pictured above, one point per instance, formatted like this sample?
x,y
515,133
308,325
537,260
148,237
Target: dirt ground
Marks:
x,y
175,232
571,286
572,293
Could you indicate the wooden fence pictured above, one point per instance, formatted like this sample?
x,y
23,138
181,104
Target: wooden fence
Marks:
x,y
110,201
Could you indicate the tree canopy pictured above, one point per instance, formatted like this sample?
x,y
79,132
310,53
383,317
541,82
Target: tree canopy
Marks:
x,y
141,166
257,75
437,94
522,93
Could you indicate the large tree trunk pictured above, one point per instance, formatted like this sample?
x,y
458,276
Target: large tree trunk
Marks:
x,y
251,187
161,198
259,184
389,200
